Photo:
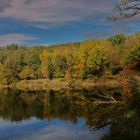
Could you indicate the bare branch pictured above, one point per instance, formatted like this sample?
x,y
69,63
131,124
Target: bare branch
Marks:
x,y
110,99
125,9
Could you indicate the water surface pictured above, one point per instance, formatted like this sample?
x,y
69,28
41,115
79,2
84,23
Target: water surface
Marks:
x,y
65,115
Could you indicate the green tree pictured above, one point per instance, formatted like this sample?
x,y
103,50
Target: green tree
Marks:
x,y
11,67
34,59
50,68
60,65
118,39
135,54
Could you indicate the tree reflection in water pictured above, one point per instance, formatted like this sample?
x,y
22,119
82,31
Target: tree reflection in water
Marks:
x,y
124,121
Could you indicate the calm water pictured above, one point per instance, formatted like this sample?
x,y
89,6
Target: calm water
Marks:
x,y
65,115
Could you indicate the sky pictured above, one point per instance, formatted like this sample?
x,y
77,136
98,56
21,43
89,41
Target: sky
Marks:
x,y
45,22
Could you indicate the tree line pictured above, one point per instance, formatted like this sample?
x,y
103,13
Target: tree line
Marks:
x,y
92,58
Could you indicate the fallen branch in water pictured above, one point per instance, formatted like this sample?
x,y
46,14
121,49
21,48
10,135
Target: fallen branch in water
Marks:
x,y
111,99
95,128
106,97
108,102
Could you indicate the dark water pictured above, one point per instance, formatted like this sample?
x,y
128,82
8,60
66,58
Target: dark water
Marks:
x,y
65,115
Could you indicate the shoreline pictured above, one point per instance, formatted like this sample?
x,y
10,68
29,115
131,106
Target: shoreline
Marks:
x,y
58,84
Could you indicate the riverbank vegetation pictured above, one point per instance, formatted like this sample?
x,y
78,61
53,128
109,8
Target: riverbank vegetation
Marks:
x,y
117,56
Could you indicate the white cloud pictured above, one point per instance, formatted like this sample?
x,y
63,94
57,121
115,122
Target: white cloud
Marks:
x,y
55,11
14,38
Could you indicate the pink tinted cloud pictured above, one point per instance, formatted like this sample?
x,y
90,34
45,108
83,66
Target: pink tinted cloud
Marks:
x,y
14,38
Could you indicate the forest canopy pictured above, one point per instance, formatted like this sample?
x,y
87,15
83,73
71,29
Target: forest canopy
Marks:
x,y
83,60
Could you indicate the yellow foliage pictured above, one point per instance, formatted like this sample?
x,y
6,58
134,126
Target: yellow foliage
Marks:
x,y
27,73
44,56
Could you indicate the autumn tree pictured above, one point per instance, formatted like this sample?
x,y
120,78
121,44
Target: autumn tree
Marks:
x,y
92,58
98,58
81,59
43,67
70,61
59,62
26,73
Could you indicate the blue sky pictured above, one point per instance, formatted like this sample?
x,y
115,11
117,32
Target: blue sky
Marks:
x,y
44,22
